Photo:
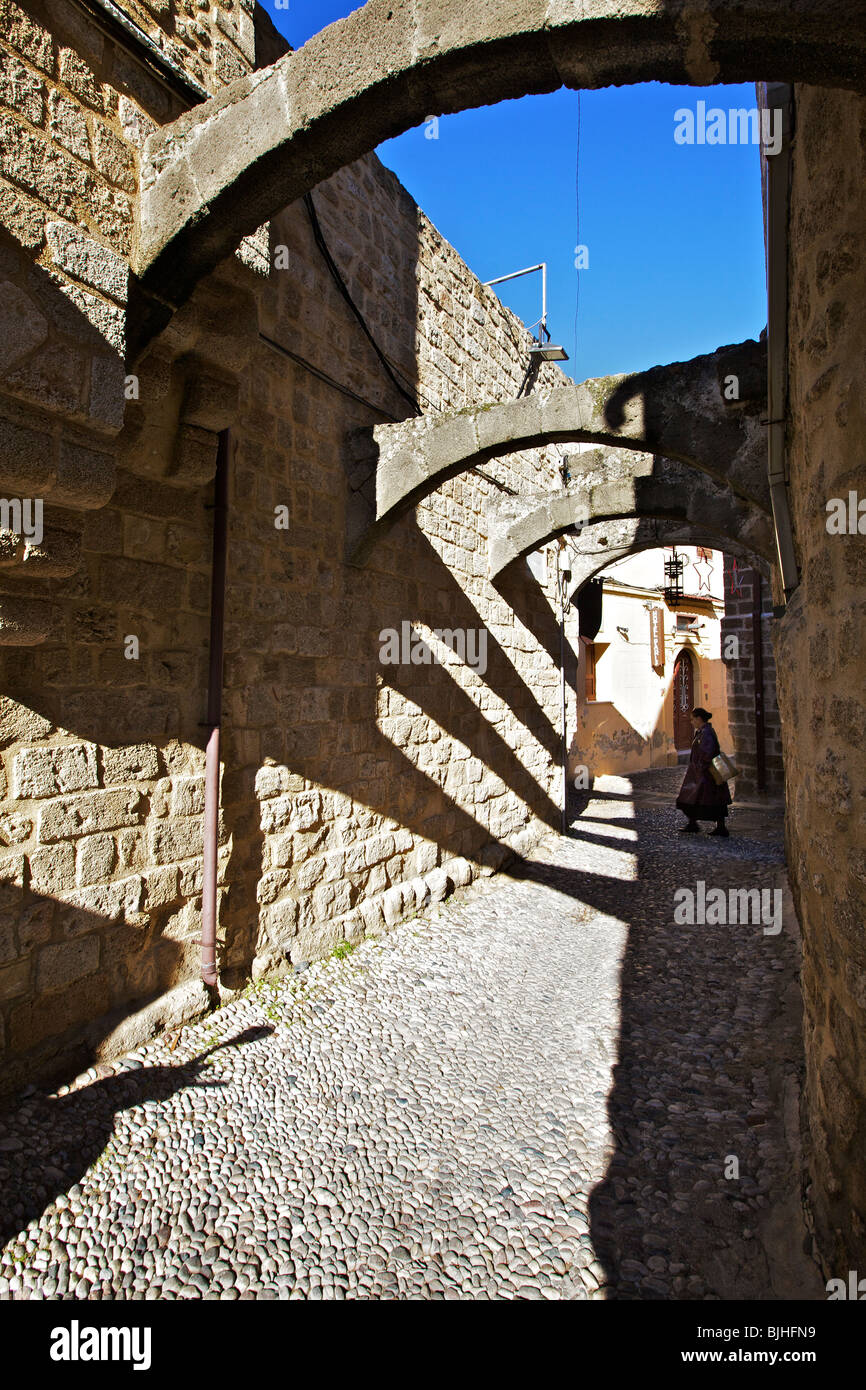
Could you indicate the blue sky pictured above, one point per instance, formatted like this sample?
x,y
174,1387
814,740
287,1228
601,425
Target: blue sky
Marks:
x,y
674,232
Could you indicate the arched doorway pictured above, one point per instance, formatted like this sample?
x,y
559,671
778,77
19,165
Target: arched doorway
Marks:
x,y
683,694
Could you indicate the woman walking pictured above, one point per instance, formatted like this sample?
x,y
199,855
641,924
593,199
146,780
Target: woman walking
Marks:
x,y
700,797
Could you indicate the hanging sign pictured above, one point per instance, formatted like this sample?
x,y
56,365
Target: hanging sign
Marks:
x,y
657,638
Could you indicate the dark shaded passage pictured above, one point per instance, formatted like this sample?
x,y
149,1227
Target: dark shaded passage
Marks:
x,y
709,1060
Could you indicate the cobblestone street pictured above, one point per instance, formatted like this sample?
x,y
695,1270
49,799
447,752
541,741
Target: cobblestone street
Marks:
x,y
531,1092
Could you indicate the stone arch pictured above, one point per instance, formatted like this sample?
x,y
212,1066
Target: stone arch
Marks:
x,y
612,485
222,169
679,411
602,543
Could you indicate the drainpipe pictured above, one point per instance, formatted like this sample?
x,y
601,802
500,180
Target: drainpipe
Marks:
x,y
214,715
779,96
562,578
758,668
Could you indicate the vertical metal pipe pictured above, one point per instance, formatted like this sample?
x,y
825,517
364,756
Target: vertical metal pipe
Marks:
x,y
758,668
778,166
560,584
214,716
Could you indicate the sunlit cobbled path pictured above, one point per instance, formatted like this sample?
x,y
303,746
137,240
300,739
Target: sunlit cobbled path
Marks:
x,y
529,1095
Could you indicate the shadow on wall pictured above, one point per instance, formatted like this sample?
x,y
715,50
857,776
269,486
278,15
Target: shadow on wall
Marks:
x,y
368,742
75,974
134,816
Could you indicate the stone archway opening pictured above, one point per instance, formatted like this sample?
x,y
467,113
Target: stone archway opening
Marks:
x,y
213,176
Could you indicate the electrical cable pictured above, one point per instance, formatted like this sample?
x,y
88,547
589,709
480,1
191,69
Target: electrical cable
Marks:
x,y
319,238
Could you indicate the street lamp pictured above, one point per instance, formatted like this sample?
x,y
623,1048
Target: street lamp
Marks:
x,y
543,351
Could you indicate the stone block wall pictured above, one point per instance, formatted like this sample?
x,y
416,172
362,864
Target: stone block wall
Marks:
x,y
352,791
820,653
740,671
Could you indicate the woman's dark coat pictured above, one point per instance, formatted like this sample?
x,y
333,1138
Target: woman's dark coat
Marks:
x,y
700,797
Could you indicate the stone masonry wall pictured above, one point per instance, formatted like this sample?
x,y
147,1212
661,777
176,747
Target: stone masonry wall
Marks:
x,y
737,622
352,791
820,654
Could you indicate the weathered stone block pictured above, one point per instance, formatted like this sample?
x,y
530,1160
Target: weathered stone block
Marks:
x,y
34,1021
840,1100
135,762
26,460
272,884
315,943
302,812
331,900
194,460
41,168
419,889
87,260
183,1004
107,902
184,924
438,883
85,815
136,125
52,771
15,829
187,797
64,964
96,858
113,159
279,852
14,980
67,125
279,920
22,217
393,904
459,871
190,878
52,870
309,873
170,842
80,79
8,944
85,477
160,887
276,781
21,89
27,36
22,326
378,849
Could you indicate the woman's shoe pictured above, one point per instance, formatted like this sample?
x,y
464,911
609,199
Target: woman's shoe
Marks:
x,y
691,828
721,830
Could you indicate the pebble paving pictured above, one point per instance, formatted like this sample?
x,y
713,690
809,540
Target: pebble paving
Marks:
x,y
531,1092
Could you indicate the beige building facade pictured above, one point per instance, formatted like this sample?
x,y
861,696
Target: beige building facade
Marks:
x,y
638,689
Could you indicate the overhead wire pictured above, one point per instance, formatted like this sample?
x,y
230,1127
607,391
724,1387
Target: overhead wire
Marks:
x,y
319,238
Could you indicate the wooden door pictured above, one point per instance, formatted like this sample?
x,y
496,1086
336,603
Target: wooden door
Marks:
x,y
684,700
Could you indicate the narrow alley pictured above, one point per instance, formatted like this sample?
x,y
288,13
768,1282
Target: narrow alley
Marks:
x,y
533,1091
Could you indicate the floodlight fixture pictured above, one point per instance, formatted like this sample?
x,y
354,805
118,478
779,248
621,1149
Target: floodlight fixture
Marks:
x,y
542,350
